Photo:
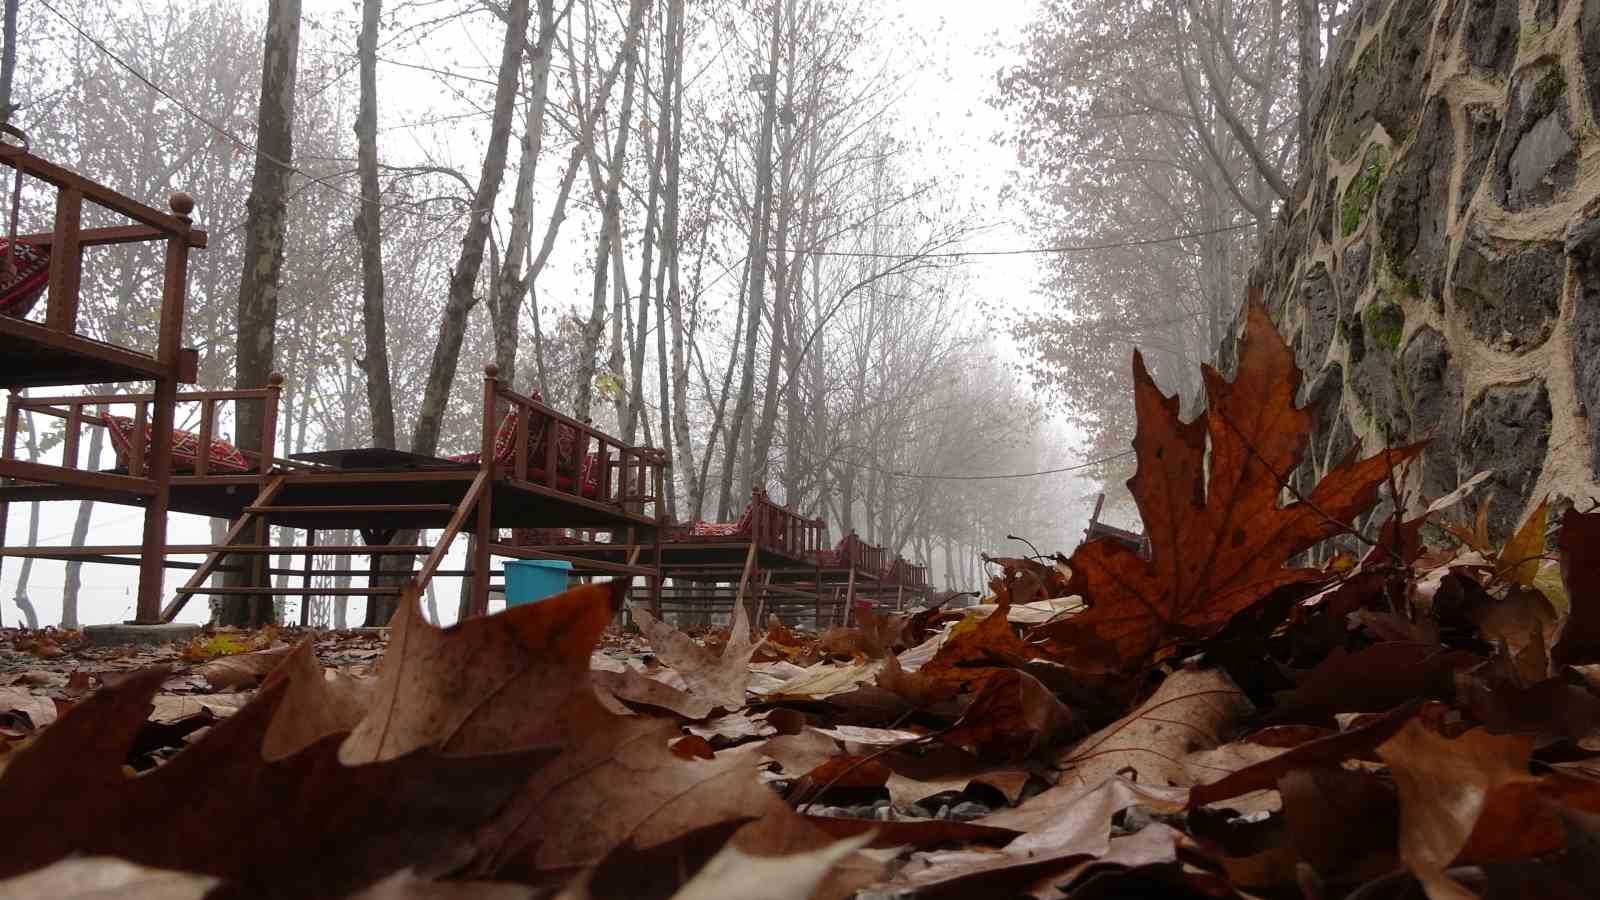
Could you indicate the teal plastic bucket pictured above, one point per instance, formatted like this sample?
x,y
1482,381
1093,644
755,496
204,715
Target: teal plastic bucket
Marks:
x,y
532,580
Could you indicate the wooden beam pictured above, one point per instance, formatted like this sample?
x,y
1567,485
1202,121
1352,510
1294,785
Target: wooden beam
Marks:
x,y
116,234
39,473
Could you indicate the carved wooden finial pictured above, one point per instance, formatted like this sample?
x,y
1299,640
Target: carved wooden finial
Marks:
x,y
491,371
181,202
275,379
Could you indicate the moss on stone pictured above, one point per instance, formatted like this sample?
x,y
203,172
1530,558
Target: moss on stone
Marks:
x,y
1385,320
1358,196
1531,32
1547,94
1354,334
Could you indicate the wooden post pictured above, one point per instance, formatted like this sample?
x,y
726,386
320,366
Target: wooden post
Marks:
x,y
66,262
475,602
749,568
305,577
169,350
850,597
8,450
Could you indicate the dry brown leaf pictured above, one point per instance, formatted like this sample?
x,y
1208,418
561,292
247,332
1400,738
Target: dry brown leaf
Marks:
x,y
407,885
242,670
734,873
1330,750
1343,823
1373,679
316,703
905,790
1192,710
1012,717
1519,559
1208,495
105,878
521,677
719,678
800,753
203,811
1580,574
913,832
1472,800
39,709
634,688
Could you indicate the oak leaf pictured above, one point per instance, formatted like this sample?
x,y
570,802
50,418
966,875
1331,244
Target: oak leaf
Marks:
x,y
717,678
219,809
1208,494
521,678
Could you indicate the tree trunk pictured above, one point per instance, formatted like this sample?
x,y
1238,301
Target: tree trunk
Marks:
x,y
8,60
369,233
759,241
608,242
464,277
266,219
1309,43
646,262
513,284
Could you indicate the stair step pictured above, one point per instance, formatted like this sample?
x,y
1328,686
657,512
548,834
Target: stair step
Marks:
x,y
295,591
354,508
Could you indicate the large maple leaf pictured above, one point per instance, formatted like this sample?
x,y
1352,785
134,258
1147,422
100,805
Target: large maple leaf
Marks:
x,y
1219,538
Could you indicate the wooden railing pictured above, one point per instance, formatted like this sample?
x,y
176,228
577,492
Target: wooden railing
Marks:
x,y
781,529
67,238
95,411
630,477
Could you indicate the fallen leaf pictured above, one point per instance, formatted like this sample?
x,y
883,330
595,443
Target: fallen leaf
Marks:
x,y
734,873
1519,559
316,704
106,878
203,811
1191,710
905,790
39,710
1012,717
1373,679
1321,804
913,832
1580,573
1207,492
1330,750
634,688
242,670
719,678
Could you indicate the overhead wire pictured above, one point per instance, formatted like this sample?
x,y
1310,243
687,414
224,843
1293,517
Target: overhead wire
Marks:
x,y
994,477
319,180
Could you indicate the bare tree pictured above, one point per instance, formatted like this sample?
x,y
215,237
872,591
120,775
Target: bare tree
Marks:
x,y
464,277
266,222
369,232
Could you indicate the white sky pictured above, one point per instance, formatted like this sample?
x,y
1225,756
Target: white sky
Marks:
x,y
950,123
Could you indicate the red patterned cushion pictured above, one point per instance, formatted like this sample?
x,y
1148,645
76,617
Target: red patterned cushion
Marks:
x,y
720,529
21,289
224,456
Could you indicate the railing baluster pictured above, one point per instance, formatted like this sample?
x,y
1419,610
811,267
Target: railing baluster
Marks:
x,y
66,262
520,469
141,439
69,443
208,424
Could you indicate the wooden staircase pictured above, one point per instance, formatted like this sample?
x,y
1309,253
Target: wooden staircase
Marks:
x,y
249,538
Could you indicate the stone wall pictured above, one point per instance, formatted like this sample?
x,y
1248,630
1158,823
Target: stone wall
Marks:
x,y
1438,271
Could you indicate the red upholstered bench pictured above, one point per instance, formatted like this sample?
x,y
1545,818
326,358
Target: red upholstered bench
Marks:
x,y
22,288
505,451
224,457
